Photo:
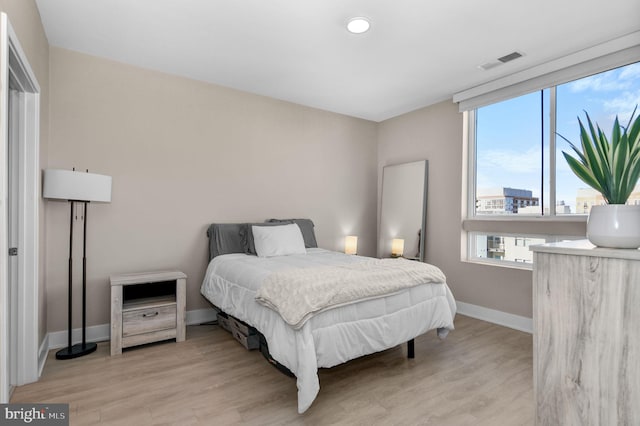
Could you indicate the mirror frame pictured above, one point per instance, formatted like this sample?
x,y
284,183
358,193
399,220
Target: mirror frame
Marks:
x,y
423,225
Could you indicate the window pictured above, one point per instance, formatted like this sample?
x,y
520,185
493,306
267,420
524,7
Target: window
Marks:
x,y
518,174
515,140
508,249
508,156
603,96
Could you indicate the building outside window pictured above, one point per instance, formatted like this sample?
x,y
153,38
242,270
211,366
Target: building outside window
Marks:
x,y
503,200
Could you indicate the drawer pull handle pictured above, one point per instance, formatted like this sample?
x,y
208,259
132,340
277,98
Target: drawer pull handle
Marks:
x,y
153,314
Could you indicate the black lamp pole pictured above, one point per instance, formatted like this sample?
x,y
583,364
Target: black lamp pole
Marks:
x,y
84,283
84,348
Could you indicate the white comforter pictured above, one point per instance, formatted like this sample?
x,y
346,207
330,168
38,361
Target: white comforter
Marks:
x,y
300,293
332,336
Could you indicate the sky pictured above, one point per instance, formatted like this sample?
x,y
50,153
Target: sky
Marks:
x,y
509,135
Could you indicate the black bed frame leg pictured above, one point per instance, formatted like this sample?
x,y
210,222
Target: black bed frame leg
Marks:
x,y
410,349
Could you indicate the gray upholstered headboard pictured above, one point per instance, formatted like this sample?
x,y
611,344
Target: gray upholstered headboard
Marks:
x,y
226,238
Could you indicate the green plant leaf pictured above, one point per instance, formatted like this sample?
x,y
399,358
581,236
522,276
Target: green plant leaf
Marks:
x,y
633,137
610,166
575,148
583,172
593,159
632,169
620,157
634,134
631,122
615,133
600,143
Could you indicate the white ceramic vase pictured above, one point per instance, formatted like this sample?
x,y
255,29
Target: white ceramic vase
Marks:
x,y
614,226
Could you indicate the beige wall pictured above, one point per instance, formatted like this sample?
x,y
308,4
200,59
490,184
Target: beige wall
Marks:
x,y
184,154
25,20
435,134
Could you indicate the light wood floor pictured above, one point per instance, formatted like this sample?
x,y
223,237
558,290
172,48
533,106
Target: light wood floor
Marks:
x,y
481,374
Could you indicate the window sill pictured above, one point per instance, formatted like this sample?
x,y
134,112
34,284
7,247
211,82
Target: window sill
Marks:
x,y
523,218
565,226
500,264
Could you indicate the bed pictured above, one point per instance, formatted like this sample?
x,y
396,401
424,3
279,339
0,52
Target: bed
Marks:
x,y
239,272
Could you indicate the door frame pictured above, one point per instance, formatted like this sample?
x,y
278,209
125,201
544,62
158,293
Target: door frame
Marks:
x,y
13,62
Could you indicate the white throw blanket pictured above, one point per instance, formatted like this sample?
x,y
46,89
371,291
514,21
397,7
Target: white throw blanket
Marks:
x,y
298,294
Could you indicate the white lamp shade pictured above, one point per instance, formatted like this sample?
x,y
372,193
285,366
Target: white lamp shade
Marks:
x,y
351,244
77,186
397,247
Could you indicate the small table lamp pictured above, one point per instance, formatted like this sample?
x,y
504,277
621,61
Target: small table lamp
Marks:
x,y
397,247
351,244
75,187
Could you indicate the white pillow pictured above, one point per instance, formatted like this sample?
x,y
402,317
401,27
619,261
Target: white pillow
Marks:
x,y
278,240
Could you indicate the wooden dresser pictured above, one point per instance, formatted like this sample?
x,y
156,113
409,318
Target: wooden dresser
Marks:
x,y
586,326
147,307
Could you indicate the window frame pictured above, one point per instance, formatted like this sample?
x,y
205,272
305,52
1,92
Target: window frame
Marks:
x,y
532,226
590,61
549,161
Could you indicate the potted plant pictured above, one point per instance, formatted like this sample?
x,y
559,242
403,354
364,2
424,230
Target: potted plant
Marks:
x,y
611,166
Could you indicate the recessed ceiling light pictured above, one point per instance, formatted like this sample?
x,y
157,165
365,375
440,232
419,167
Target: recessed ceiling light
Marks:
x,y
358,25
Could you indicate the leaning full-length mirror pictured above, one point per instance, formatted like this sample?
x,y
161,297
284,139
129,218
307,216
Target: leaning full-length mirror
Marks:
x,y
403,211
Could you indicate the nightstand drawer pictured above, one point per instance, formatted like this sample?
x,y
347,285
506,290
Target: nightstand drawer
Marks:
x,y
147,307
138,321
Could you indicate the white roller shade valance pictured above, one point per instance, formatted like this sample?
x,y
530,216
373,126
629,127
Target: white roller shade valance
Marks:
x,y
615,53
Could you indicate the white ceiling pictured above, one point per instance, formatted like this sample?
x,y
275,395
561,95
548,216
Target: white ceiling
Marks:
x,y
417,52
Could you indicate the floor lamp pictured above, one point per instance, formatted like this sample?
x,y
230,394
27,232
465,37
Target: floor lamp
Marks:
x,y
77,187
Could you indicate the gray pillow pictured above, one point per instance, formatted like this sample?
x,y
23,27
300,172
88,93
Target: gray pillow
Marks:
x,y
306,226
225,238
247,236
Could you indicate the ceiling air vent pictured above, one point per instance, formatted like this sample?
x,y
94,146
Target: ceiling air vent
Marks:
x,y
510,57
500,61
489,65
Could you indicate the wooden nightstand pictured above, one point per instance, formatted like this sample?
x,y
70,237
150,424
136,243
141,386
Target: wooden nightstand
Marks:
x,y
147,307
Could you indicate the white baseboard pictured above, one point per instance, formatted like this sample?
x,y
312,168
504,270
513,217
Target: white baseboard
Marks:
x,y
200,316
95,333
100,333
505,319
